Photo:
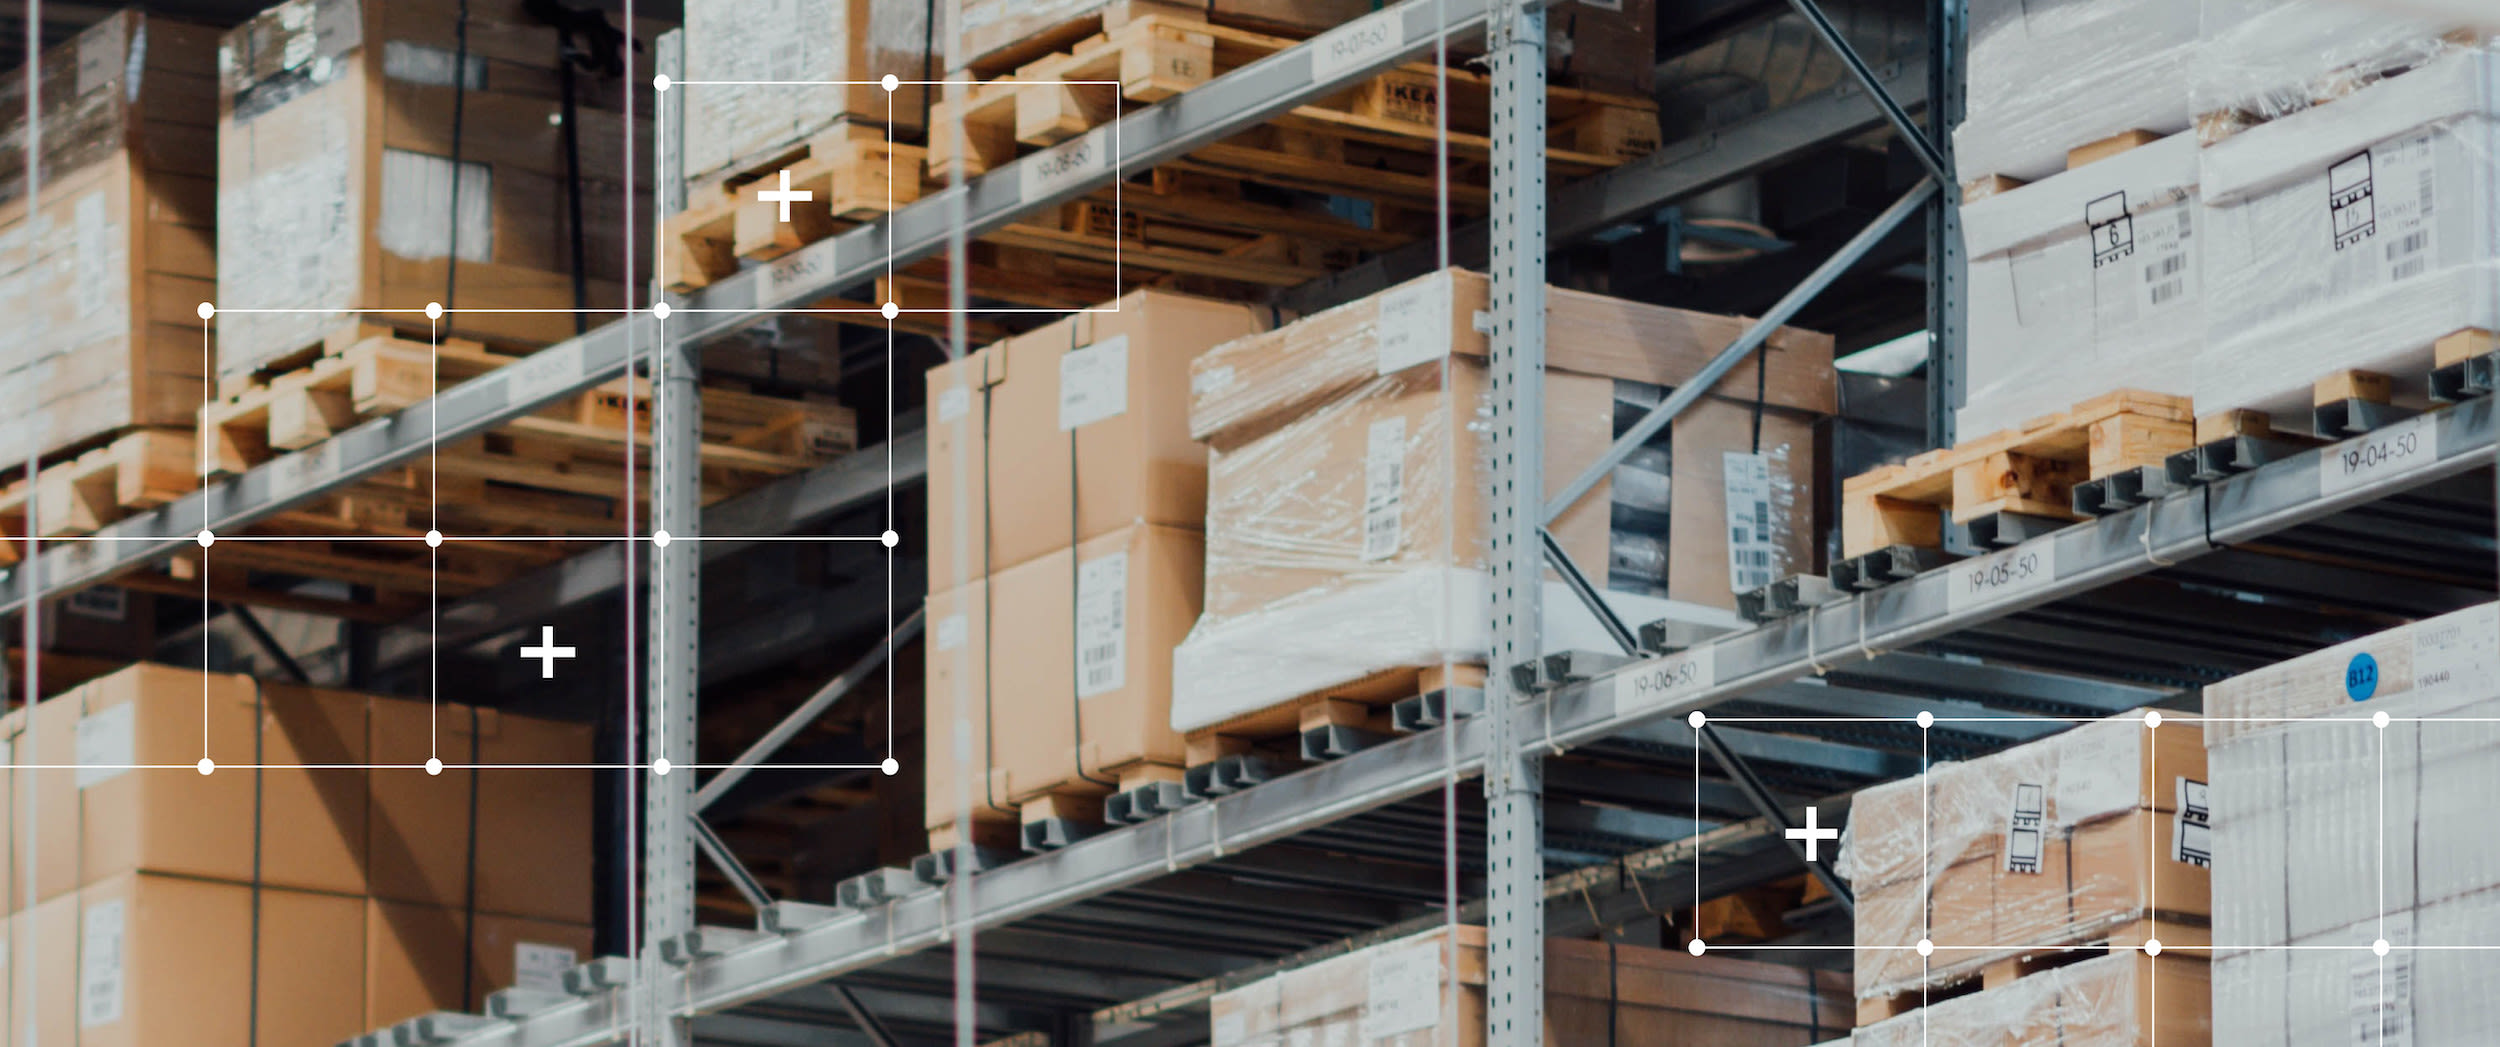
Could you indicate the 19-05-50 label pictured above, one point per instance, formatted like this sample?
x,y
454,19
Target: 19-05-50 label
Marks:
x,y
2002,576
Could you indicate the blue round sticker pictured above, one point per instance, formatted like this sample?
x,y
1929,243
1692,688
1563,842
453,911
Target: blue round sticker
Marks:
x,y
2361,677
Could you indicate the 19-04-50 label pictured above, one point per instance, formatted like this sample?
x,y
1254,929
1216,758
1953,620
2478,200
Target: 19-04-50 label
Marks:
x,y
2404,446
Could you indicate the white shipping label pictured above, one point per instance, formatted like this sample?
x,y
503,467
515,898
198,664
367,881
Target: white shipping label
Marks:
x,y
2459,655
108,743
100,982
1669,679
1063,166
791,275
952,630
1093,383
1102,625
2141,263
92,250
543,375
1384,489
954,403
541,967
1414,324
1371,38
1402,992
2192,827
1752,553
1983,580
2399,448
2382,999
2026,829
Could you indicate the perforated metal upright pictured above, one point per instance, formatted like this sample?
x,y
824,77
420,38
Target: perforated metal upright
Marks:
x,y
1513,774
668,849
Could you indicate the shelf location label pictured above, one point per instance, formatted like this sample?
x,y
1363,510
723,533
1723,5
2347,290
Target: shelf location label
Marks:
x,y
2401,447
1061,166
542,375
1983,580
1360,42
1676,676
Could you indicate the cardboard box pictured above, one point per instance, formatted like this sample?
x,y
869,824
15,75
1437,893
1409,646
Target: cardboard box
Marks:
x,y
335,178
43,992
39,786
532,855
2118,1000
12,745
1396,993
163,959
1956,911
731,127
959,660
131,818
109,283
2049,75
2081,284
1088,410
313,833
2429,667
423,958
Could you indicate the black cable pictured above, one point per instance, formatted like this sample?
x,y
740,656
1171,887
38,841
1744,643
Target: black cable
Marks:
x,y
1761,390
989,618
459,111
928,53
573,184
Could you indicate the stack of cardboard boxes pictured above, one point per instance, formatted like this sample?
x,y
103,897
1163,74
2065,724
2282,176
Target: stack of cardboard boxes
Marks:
x,y
1346,515
1061,462
2095,835
288,894
2335,831
1400,993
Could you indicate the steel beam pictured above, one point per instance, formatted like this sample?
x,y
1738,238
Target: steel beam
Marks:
x,y
1769,807
668,727
807,712
1938,166
717,849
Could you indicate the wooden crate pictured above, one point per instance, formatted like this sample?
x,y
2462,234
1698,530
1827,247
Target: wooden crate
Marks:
x,y
136,472
108,281
336,184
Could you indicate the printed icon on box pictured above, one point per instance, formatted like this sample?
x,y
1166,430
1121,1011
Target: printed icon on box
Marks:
x,y
2192,831
2350,202
2112,227
2026,829
2361,677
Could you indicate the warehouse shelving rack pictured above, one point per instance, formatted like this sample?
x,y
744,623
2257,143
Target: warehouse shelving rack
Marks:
x,y
2122,611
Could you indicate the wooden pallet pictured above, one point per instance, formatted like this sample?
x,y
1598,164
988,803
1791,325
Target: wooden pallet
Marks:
x,y
1985,186
851,171
2183,940
133,473
1055,817
1337,718
2028,470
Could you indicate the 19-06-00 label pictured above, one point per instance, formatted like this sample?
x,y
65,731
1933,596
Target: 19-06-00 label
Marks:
x,y
2398,448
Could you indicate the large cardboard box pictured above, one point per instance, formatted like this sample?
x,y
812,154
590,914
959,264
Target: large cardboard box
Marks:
x,y
959,663
531,824
2118,1000
2436,985
335,181
1071,431
2083,284
1399,994
2429,667
843,45
423,958
103,290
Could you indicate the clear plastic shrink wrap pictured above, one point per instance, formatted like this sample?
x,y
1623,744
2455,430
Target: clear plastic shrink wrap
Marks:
x,y
2066,839
2357,233
2261,60
2046,76
2117,1000
2436,987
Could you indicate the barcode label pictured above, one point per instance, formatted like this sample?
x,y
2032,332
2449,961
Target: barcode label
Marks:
x,y
2191,830
1753,553
1384,489
2382,1000
100,981
2026,829
1102,625
1093,383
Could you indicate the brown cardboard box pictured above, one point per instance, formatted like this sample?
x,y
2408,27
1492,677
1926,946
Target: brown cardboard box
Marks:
x,y
533,825
1091,636
1956,911
128,254
45,788
2119,1000
422,958
133,813
312,824
164,959
958,650
1090,410
12,747
335,182
43,992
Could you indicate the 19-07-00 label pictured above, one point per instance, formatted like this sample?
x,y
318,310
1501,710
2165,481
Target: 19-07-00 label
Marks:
x,y
2395,449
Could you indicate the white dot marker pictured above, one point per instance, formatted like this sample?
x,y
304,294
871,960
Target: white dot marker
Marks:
x,y
206,538
1926,948
890,82
1926,719
660,82
890,310
1697,719
660,538
434,539
659,310
208,766
433,310
1696,947
660,767
891,539
207,310
2152,718
433,765
891,765
2152,946
2379,719
2379,946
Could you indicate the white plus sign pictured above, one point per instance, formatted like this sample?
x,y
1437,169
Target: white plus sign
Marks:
x,y
547,652
1811,834
785,196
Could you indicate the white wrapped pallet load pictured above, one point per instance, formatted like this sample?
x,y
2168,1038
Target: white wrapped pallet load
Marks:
x,y
2046,76
2263,59
2350,236
2083,283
